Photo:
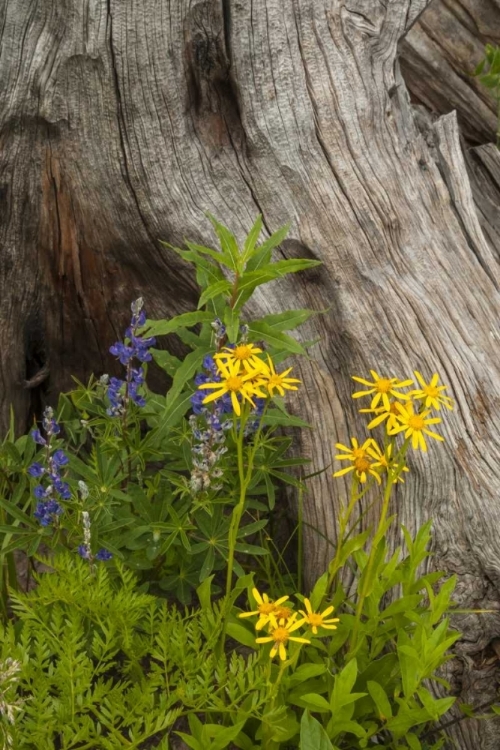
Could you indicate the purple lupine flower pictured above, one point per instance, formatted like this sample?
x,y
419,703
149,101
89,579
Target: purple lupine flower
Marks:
x,y
62,489
197,402
84,552
103,555
45,512
36,470
37,437
60,458
136,348
39,492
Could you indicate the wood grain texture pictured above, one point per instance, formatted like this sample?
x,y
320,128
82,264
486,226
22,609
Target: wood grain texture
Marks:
x,y
439,55
122,122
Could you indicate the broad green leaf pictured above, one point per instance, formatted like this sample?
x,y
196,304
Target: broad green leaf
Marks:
x,y
241,634
305,672
185,373
380,699
312,734
218,289
315,702
186,320
232,323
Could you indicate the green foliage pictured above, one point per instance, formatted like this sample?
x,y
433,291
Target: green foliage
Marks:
x,y
147,502
488,72
115,654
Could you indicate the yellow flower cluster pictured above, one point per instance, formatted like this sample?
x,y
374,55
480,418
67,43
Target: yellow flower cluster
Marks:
x,y
244,374
281,621
399,412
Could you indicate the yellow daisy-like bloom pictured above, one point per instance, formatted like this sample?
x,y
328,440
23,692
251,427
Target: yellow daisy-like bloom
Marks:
x,y
233,382
384,460
432,393
244,354
283,614
318,620
276,380
359,456
382,413
265,608
415,426
279,635
382,388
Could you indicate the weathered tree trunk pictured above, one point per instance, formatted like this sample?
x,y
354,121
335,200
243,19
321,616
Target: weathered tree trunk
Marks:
x,y
122,121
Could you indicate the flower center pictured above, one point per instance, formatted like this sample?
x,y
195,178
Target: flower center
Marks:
x,y
242,352
274,380
266,608
281,635
383,385
431,391
315,619
416,423
362,464
358,453
282,613
234,383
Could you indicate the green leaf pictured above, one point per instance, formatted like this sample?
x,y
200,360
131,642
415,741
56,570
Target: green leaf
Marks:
x,y
166,361
252,237
380,699
293,265
215,254
315,702
241,634
262,255
228,243
232,323
276,339
305,672
312,734
185,373
215,290
186,320
288,320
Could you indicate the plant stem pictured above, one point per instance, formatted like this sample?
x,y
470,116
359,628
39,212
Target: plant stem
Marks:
x,y
239,508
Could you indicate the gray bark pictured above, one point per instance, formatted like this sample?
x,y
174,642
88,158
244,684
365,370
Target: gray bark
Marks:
x,y
122,121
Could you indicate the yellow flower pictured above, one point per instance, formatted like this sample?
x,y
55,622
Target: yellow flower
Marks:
x,y
272,379
384,460
381,387
415,425
318,620
390,414
265,608
233,382
279,635
431,392
360,462
283,614
244,354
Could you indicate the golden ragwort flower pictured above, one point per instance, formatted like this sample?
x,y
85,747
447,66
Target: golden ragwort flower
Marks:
x,y
382,413
382,388
234,382
384,460
318,620
279,635
244,354
432,393
266,608
276,380
359,455
415,426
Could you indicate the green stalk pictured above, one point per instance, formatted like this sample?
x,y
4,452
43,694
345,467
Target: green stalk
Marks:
x,y
343,521
239,508
391,480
